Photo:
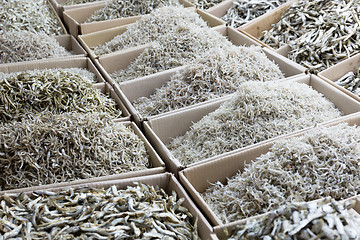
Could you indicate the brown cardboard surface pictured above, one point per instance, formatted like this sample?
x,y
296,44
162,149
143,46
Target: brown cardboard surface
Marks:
x,y
335,72
165,180
158,166
220,9
72,45
60,7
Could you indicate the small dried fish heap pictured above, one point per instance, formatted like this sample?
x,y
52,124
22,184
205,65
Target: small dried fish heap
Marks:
x,y
120,8
205,4
34,16
52,90
74,2
327,219
243,11
321,163
257,112
217,73
164,20
351,81
48,149
139,212
18,46
320,33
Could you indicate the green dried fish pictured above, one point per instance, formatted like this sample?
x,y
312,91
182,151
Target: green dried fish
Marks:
x,y
35,16
205,4
351,81
120,8
135,212
321,163
50,149
257,112
18,46
53,90
313,220
243,11
213,74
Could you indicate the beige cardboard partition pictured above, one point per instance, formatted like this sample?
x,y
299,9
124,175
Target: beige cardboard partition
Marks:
x,y
196,179
335,72
157,166
162,128
60,7
220,9
73,62
72,45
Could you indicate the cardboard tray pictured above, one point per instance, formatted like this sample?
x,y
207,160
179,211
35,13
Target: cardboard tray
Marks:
x,y
162,128
74,18
72,45
73,62
197,178
93,39
332,74
165,181
60,7
158,166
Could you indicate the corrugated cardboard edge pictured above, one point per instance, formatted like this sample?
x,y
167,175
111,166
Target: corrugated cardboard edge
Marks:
x,y
166,181
72,45
158,166
57,16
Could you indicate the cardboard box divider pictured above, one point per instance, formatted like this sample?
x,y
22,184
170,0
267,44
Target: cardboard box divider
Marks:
x,y
197,178
165,181
158,166
162,128
334,73
72,45
60,7
72,62
53,10
220,9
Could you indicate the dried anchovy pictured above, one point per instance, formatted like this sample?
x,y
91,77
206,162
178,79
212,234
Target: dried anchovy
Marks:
x,y
327,219
120,8
74,2
351,81
243,11
205,4
321,163
18,46
257,112
165,20
53,90
34,16
139,212
320,33
217,73
50,149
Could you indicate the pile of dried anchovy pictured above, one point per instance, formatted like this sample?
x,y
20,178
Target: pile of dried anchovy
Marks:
x,y
205,4
351,81
257,112
243,11
327,219
139,212
119,8
34,16
320,33
18,46
53,90
217,73
74,2
59,148
165,20
321,163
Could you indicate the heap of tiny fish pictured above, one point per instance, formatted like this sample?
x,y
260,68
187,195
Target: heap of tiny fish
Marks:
x,y
120,8
258,111
205,4
58,148
243,11
35,16
351,81
327,219
324,162
18,46
138,212
217,73
74,2
53,90
170,20
320,33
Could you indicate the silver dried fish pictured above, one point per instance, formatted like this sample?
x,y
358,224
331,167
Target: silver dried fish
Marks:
x,y
205,4
351,81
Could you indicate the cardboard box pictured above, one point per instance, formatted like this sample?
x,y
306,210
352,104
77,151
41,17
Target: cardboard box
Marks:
x,y
72,45
93,39
161,129
60,7
197,178
158,166
74,19
334,73
57,16
165,181
73,62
